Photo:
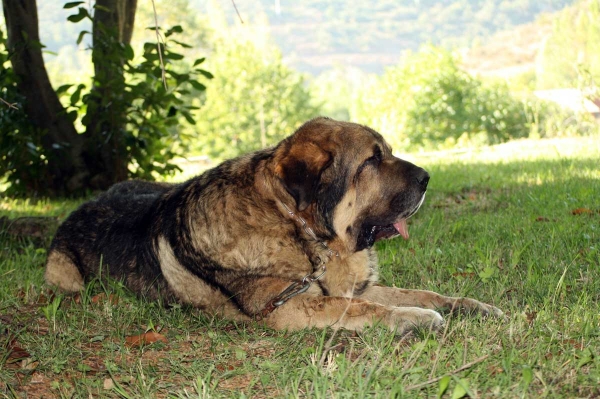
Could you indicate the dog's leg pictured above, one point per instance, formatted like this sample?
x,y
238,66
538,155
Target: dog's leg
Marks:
x,y
312,309
62,273
319,311
427,299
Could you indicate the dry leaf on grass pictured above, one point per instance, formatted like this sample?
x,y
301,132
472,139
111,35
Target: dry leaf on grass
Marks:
x,y
29,364
582,211
112,298
15,352
108,383
145,339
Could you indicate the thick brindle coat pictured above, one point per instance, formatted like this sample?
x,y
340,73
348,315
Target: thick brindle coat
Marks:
x,y
226,243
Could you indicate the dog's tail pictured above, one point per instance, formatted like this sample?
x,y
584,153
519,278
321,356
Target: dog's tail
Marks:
x,y
62,273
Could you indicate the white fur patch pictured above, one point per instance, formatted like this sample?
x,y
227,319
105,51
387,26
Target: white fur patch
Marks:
x,y
62,273
191,289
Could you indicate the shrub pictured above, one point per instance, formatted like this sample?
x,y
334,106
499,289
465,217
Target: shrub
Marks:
x,y
429,102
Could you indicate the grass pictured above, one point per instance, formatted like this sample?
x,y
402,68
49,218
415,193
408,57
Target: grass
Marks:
x,y
498,225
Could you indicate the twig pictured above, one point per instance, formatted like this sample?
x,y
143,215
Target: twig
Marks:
x,y
160,57
439,349
458,370
13,105
236,10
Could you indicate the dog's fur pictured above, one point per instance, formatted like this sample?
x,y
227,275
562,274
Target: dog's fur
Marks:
x,y
226,243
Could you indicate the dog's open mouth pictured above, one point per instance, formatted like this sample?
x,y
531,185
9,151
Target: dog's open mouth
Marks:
x,y
391,230
371,232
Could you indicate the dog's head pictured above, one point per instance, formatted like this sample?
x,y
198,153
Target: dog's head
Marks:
x,y
344,177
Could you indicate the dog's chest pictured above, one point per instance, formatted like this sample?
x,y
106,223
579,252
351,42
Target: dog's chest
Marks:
x,y
350,276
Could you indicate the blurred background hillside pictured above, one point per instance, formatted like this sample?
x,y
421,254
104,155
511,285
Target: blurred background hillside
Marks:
x,y
428,74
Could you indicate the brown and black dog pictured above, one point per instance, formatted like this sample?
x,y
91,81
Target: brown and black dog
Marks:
x,y
284,235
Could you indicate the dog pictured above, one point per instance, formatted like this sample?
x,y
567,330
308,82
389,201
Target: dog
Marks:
x,y
282,235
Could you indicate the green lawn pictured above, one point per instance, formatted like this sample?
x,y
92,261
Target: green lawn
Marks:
x,y
517,225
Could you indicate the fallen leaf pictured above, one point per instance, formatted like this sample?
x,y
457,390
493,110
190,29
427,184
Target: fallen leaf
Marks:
x,y
42,299
494,370
29,364
574,343
581,211
530,316
463,274
112,298
108,383
15,352
145,339
542,219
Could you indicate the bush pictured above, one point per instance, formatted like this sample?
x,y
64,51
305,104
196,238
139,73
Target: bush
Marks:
x,y
429,102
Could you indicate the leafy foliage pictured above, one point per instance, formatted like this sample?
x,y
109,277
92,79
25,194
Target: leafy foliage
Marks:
x,y
253,101
149,112
571,55
126,115
429,102
20,143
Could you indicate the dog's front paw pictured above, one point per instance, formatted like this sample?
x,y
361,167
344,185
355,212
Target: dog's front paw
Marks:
x,y
470,305
409,318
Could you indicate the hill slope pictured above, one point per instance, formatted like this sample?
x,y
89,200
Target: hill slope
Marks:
x,y
317,34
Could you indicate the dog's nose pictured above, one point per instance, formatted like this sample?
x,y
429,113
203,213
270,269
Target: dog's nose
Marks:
x,y
422,178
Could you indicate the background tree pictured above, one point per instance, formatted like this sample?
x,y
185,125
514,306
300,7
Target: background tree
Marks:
x,y
253,101
126,118
570,56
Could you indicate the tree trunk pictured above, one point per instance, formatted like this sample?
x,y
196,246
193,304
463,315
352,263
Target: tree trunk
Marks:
x,y
99,157
62,144
106,148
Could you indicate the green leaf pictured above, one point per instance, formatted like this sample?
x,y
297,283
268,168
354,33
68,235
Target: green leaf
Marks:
x,y
206,74
443,385
188,117
81,35
587,357
173,56
84,368
63,88
487,273
199,61
197,85
76,94
182,44
240,354
73,4
460,390
527,374
129,52
83,13
72,115
175,29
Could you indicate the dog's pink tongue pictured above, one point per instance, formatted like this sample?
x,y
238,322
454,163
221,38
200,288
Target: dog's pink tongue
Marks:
x,y
402,228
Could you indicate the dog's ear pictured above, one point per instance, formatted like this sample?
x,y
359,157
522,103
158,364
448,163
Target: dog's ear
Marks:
x,y
300,171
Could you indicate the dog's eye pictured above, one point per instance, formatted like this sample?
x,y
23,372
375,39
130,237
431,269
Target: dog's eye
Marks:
x,y
374,160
